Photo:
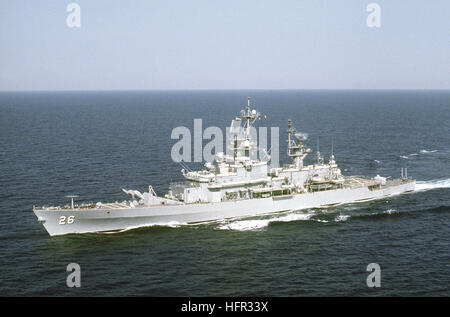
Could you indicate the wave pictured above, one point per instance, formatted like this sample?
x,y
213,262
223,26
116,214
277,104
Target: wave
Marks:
x,y
390,211
171,224
415,154
341,218
432,184
408,156
442,208
394,213
257,224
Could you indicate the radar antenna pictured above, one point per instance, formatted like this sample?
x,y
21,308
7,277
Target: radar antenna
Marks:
x,y
332,161
296,150
319,157
250,116
71,199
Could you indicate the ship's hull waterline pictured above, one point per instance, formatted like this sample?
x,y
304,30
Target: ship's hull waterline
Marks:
x,y
61,222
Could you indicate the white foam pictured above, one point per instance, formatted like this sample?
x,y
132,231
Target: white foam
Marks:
x,y
351,207
409,155
245,225
171,224
390,211
341,218
427,151
433,184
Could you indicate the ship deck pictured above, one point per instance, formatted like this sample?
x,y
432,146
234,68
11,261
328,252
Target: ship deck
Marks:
x,y
358,181
352,182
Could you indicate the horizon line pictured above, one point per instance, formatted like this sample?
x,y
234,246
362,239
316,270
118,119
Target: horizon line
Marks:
x,y
225,89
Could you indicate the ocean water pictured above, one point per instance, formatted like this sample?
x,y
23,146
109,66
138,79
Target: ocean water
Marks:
x,y
94,143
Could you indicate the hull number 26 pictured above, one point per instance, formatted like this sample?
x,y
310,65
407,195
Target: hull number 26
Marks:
x,y
63,220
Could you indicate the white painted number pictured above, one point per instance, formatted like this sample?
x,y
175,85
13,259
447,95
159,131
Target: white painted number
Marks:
x,y
70,220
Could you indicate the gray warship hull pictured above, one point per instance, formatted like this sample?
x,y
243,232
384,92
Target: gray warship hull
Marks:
x,y
74,220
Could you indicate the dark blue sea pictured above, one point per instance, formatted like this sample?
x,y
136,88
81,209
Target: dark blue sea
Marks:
x,y
95,143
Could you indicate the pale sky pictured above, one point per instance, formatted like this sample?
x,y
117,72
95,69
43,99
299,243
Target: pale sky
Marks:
x,y
226,44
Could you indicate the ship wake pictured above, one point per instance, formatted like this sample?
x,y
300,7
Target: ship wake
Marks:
x,y
171,224
257,224
432,184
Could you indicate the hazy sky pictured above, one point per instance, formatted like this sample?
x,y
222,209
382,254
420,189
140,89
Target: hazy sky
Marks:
x,y
226,44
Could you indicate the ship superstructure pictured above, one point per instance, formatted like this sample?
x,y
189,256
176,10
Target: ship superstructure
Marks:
x,y
238,176
237,184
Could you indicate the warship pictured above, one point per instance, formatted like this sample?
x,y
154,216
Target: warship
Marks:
x,y
233,186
